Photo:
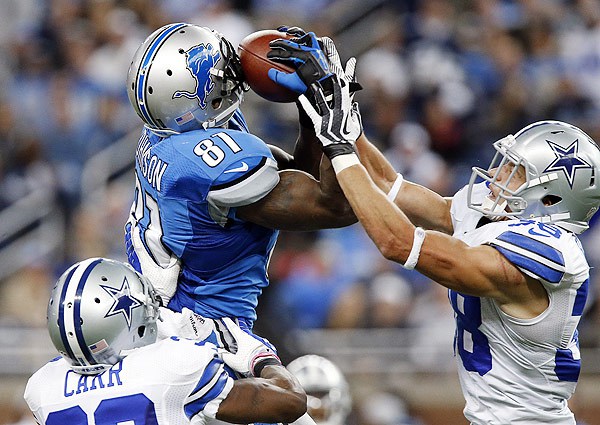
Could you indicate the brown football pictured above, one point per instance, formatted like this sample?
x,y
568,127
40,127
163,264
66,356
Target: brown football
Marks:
x,y
253,55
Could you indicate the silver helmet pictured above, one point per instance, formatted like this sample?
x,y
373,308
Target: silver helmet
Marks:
x,y
561,166
99,308
328,395
185,77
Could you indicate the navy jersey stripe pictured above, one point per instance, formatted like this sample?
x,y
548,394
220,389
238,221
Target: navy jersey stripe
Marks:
x,y
566,367
198,405
580,299
209,373
254,170
535,267
533,245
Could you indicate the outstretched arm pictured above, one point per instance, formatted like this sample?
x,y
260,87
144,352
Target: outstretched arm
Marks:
x,y
480,270
307,151
300,202
422,206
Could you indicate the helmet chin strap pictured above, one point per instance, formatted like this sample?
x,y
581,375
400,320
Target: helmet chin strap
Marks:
x,y
495,207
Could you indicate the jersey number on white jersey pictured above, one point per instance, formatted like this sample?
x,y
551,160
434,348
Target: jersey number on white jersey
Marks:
x,y
134,409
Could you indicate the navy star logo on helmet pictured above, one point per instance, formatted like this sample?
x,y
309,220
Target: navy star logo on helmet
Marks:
x,y
567,160
123,303
200,60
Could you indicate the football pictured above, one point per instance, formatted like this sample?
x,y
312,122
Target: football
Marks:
x,y
253,55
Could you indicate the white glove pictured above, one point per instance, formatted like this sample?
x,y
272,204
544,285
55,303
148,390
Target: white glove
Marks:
x,y
248,356
163,279
186,324
349,74
337,123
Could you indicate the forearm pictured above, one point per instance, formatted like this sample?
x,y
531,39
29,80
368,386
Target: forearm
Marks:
x,y
422,206
378,167
307,151
274,397
388,227
446,260
301,203
331,191
279,376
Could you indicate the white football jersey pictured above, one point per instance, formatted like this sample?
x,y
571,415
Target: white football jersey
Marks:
x,y
174,381
520,371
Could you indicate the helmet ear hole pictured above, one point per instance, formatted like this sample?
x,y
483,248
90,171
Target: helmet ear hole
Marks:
x,y
550,200
141,331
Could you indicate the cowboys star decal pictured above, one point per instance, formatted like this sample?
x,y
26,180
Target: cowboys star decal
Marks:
x,y
124,302
567,160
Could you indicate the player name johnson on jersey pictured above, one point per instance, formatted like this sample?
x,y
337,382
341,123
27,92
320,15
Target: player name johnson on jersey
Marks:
x,y
188,187
516,370
171,381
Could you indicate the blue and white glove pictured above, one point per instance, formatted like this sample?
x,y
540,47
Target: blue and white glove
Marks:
x,y
337,121
304,54
247,355
347,74
163,279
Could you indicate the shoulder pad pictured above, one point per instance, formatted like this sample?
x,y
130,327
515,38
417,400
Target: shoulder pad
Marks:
x,y
534,247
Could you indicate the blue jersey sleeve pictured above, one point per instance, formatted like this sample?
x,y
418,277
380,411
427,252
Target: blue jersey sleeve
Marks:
x,y
225,167
246,179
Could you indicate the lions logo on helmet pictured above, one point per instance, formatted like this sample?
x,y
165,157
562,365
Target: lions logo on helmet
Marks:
x,y
200,60
183,78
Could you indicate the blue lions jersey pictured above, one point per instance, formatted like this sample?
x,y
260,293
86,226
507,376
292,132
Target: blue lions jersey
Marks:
x,y
188,187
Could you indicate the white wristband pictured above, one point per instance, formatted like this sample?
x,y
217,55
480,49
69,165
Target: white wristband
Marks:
x,y
413,257
395,187
341,162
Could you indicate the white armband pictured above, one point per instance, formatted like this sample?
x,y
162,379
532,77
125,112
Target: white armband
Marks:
x,y
413,257
395,187
341,162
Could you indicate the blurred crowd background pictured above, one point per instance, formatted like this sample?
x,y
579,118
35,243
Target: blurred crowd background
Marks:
x,y
442,81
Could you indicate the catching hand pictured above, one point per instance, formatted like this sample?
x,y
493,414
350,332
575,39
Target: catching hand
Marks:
x,y
163,279
248,356
337,122
304,53
348,74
